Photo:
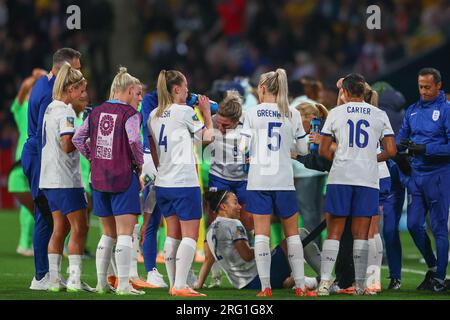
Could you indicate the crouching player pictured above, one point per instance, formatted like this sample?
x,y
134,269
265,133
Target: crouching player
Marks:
x,y
227,243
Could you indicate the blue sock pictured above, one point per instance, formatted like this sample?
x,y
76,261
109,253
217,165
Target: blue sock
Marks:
x,y
392,212
41,238
150,246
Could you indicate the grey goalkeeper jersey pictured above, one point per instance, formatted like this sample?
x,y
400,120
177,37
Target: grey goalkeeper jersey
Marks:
x,y
221,235
227,162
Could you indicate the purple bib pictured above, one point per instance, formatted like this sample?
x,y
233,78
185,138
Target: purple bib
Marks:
x,y
111,157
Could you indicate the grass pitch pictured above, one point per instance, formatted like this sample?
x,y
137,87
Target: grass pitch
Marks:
x,y
16,273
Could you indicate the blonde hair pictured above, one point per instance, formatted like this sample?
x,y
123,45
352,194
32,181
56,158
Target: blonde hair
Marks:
x,y
66,77
231,106
276,83
370,96
318,110
166,81
122,81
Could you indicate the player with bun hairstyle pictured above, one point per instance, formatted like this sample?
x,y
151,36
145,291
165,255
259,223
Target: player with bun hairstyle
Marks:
x,y
115,153
60,179
178,195
228,169
269,130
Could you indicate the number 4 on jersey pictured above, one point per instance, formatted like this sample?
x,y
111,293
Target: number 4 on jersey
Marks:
x,y
162,138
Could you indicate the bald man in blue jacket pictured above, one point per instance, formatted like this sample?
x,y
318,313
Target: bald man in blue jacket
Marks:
x,y
425,134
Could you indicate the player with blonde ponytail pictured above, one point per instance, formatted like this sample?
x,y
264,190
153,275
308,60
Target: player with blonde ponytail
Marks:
x,y
177,188
60,179
269,130
116,156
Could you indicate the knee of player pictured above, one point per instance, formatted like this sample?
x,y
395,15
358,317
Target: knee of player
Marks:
x,y
414,226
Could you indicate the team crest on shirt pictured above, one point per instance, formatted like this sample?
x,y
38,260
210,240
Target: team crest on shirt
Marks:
x,y
70,122
436,114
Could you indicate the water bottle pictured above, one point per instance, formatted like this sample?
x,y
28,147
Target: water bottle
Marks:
x,y
192,100
316,125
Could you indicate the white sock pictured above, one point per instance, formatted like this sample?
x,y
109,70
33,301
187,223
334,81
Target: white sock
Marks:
x,y
54,266
380,249
135,253
330,250
296,261
360,253
311,254
75,268
123,260
184,258
103,258
215,270
263,259
371,262
311,283
170,252
112,269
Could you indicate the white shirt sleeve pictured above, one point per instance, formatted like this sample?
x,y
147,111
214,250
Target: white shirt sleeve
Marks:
x,y
238,232
327,129
246,133
192,121
67,122
298,125
387,128
246,130
300,134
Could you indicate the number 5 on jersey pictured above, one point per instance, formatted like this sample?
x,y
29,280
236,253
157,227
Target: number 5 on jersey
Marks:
x,y
272,133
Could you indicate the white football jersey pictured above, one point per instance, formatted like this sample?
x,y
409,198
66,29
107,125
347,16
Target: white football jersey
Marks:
x,y
221,235
227,161
173,137
271,137
59,169
357,127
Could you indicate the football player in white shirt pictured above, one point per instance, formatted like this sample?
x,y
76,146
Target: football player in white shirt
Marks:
x,y
269,130
228,168
60,180
177,187
353,186
227,244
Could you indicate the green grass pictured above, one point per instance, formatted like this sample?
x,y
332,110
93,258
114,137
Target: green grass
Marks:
x,y
16,273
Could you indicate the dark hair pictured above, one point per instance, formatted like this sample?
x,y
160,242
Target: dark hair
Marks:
x,y
434,72
65,55
215,198
355,84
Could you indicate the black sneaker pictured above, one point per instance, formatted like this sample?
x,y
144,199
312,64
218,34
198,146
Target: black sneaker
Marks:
x,y
447,283
438,286
395,284
427,283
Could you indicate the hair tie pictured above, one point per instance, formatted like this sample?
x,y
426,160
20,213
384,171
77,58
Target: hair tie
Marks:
x,y
220,201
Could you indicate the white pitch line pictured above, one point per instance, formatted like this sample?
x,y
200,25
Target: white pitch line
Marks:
x,y
408,270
